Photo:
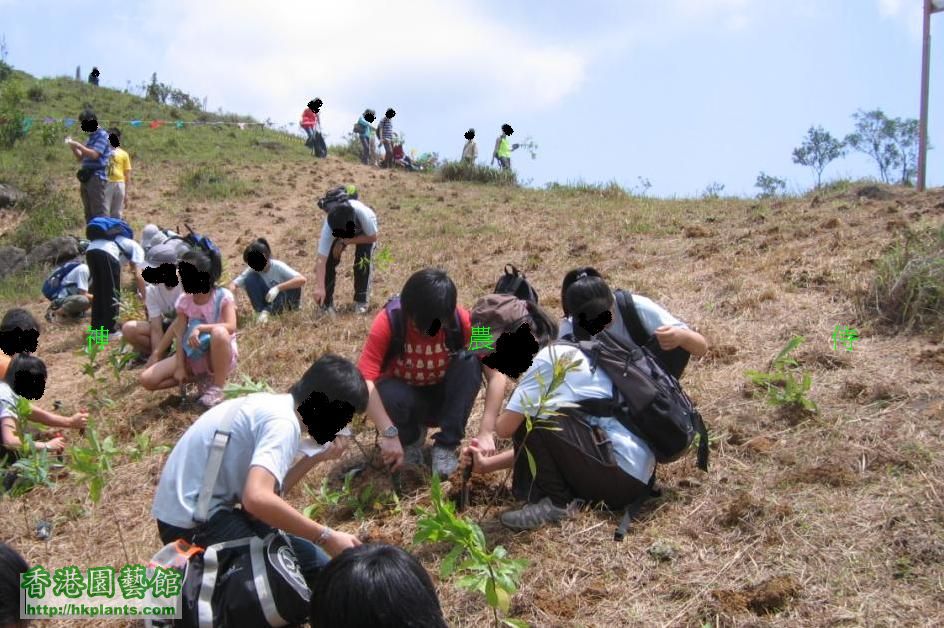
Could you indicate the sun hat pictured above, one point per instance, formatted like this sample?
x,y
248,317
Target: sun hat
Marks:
x,y
499,313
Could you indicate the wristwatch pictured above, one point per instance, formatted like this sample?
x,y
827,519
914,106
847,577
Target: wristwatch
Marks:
x,y
390,432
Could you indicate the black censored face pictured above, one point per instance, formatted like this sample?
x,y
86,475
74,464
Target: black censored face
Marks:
x,y
114,141
89,126
194,281
29,385
596,325
257,261
369,117
514,352
18,341
434,328
469,135
323,418
164,274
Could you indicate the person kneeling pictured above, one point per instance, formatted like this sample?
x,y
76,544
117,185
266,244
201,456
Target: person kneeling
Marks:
x,y
577,457
272,285
259,465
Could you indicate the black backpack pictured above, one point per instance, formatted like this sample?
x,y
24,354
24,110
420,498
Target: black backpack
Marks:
x,y
454,337
646,399
206,245
673,361
514,282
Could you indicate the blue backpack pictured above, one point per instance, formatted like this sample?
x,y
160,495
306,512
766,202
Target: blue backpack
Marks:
x,y
209,247
53,283
107,228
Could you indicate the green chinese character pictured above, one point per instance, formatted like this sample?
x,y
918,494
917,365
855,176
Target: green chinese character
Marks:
x,y
69,582
101,581
167,582
35,580
481,339
133,581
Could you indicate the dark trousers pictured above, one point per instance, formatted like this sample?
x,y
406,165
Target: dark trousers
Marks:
x,y
361,274
365,149
92,193
575,462
229,525
105,275
446,405
257,289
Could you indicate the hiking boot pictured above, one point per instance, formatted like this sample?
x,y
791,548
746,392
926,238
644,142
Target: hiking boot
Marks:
x,y
444,461
413,453
263,317
212,396
361,308
534,516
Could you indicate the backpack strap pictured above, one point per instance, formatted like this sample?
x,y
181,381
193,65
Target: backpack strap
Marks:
x,y
627,310
397,331
516,278
212,470
632,509
702,441
218,297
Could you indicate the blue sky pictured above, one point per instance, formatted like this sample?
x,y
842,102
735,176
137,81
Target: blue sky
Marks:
x,y
683,93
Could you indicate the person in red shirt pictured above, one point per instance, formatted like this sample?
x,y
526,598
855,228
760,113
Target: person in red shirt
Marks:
x,y
429,382
311,122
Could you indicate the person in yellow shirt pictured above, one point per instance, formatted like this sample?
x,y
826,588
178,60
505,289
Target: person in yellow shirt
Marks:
x,y
119,177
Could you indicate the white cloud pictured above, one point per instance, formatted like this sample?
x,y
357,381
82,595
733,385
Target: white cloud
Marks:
x,y
276,58
908,12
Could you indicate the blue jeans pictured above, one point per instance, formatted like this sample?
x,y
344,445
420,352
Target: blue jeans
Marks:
x,y
365,149
448,403
257,289
229,525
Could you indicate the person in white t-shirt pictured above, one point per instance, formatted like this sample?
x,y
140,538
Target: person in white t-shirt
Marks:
x,y
105,258
153,337
351,222
266,456
272,285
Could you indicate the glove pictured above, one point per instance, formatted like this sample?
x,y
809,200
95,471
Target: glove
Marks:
x,y
271,294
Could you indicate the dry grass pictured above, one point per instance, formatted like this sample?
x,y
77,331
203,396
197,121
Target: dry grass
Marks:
x,y
834,520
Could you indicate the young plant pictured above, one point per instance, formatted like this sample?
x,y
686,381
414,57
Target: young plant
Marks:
x,y
95,392
782,386
324,498
491,573
246,387
143,446
381,261
93,463
119,361
32,467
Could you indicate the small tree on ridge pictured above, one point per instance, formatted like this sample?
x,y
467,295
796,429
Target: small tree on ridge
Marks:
x,y
817,150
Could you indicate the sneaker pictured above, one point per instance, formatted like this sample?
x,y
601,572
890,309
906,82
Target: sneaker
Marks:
x,y
534,516
116,336
361,308
327,310
445,461
263,317
413,453
212,396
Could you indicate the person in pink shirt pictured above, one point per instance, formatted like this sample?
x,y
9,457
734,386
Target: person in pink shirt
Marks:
x,y
311,123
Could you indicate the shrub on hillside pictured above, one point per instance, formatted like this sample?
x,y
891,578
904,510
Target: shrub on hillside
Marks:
x,y
210,182
460,171
611,190
907,292
11,114
47,213
6,71
36,93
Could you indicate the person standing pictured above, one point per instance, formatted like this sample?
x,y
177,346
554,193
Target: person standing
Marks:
x,y
470,151
385,132
503,148
311,122
119,176
363,130
94,156
93,77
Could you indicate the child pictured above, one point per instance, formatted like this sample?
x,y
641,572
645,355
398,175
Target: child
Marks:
x,y
430,379
594,459
206,334
154,336
26,377
73,299
375,585
271,285
19,333
351,222
259,465
470,152
118,186
645,321
105,258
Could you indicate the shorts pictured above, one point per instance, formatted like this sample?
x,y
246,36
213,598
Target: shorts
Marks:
x,y
201,365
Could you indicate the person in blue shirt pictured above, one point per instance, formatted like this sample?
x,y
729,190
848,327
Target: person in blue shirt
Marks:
x,y
363,130
94,155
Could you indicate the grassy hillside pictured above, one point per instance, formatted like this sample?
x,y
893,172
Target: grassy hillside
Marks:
x,y
834,518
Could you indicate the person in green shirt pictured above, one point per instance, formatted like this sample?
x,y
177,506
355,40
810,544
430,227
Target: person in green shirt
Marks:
x,y
503,148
